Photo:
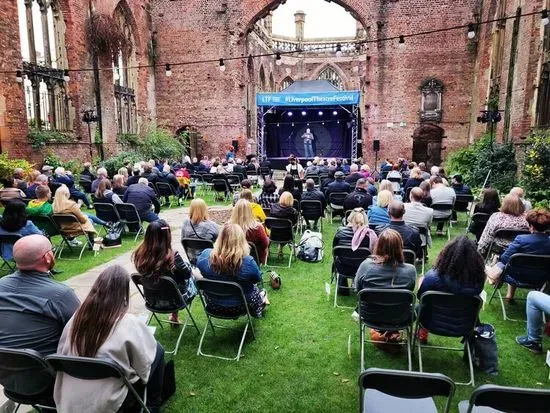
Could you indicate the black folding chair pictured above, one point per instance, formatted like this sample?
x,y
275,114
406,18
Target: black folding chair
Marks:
x,y
194,246
396,182
458,312
506,399
345,264
207,182
424,232
315,178
539,264
198,180
129,216
336,204
106,212
410,256
403,391
64,220
312,211
386,310
153,187
281,233
265,171
504,234
444,219
45,224
86,185
478,223
462,201
162,296
8,240
267,211
87,368
220,186
27,378
254,253
166,192
234,181
214,289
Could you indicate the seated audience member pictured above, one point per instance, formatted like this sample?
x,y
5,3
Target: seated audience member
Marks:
x,y
14,222
10,192
166,176
517,191
124,173
154,258
365,171
394,173
19,179
41,205
536,243
294,168
136,172
387,267
434,171
47,170
312,168
312,194
34,307
41,180
538,304
378,214
425,174
511,215
489,204
354,175
106,194
230,260
415,179
245,184
458,269
288,186
103,328
198,226
101,175
149,174
87,173
426,198
65,178
417,214
359,197
239,168
31,178
323,167
143,198
285,208
265,163
410,235
62,204
269,195
339,185
214,167
253,230
257,210
441,194
459,187
345,166
325,182
118,185
386,185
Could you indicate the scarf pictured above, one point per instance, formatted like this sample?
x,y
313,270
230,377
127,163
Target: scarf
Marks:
x,y
360,235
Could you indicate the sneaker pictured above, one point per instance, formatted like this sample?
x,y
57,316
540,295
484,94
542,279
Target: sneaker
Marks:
x,y
75,243
355,316
532,346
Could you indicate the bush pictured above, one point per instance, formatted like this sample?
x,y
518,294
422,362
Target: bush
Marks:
x,y
7,166
475,161
535,172
39,138
159,143
115,163
73,165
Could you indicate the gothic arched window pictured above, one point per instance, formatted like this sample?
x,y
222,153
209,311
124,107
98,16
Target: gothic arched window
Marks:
x,y
262,79
287,81
330,75
42,32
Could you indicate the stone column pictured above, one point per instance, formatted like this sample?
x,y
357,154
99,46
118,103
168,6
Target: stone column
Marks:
x,y
300,20
45,31
30,30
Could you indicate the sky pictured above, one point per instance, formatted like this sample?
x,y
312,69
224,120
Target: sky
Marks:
x,y
322,19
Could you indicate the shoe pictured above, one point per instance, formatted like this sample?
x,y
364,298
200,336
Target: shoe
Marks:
x,y
440,233
173,318
422,336
355,316
75,243
529,345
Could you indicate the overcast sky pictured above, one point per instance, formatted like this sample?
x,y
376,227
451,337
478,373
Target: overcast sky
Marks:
x,y
322,19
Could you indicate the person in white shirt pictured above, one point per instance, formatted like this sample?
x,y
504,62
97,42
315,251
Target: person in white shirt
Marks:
x,y
441,194
417,214
294,168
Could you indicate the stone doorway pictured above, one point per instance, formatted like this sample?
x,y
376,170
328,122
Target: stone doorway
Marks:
x,y
189,138
427,143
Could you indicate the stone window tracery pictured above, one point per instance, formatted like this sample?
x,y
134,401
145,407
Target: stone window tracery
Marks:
x,y
287,81
431,102
330,75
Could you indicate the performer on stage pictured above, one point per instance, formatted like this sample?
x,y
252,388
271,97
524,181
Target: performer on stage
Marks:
x,y
308,143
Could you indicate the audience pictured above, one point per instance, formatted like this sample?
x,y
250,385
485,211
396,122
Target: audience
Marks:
x,y
489,204
269,195
136,172
198,226
119,186
124,173
106,194
34,307
40,206
459,187
103,328
101,175
143,198
426,197
414,180
253,230
410,235
87,172
294,168
285,208
289,186
230,260
40,180
149,174
538,304
312,194
62,204
359,197
354,175
19,179
65,178
245,184
10,192
517,191
14,222
378,214
257,210
418,215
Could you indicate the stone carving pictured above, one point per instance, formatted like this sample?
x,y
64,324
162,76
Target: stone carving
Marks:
x,y
431,104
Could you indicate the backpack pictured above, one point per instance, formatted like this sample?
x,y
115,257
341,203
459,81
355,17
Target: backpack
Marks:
x,y
113,237
310,248
484,349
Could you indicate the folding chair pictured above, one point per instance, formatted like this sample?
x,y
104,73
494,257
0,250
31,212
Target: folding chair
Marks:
x,y
166,191
336,204
214,289
8,240
461,203
87,368
386,310
530,263
477,224
315,178
27,378
410,256
45,224
207,182
312,211
403,391
506,399
153,187
162,296
86,185
444,220
396,182
267,211
62,220
265,171
198,180
345,265
254,253
194,246
424,232
106,212
506,234
129,216
281,233
234,181
220,186
458,312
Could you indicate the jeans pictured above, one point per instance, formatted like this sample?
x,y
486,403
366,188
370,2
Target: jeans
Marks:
x,y
82,196
308,150
149,217
537,304
95,219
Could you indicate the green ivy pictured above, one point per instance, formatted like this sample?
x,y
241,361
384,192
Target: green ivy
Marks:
x,y
73,165
535,171
7,165
129,139
39,138
116,162
159,143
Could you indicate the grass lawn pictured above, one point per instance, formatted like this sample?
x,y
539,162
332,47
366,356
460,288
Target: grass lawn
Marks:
x,y
299,360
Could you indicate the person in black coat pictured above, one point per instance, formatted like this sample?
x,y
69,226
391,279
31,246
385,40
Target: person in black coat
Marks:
x,y
289,186
339,185
360,197
285,209
410,235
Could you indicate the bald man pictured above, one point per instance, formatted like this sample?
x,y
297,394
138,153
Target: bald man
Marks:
x,y
34,308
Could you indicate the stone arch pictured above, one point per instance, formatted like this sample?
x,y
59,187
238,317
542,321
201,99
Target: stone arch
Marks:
x,y
286,82
123,8
427,142
250,68
329,66
190,137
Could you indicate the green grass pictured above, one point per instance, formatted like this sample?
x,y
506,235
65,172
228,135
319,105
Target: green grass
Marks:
x,y
299,360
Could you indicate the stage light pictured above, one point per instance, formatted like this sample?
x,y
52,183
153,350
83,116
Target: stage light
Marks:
x,y
401,42
323,123
278,125
338,122
320,113
289,114
544,16
304,113
66,76
19,76
335,113
471,31
168,70
307,124
222,66
292,124
116,76
278,60
338,50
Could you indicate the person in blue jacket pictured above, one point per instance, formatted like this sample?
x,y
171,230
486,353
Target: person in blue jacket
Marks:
x,y
14,222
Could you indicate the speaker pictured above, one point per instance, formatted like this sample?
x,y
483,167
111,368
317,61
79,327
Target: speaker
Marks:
x,y
376,145
235,144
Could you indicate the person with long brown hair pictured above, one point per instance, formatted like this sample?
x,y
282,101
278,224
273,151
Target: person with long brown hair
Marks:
x,y
230,260
154,258
102,328
254,231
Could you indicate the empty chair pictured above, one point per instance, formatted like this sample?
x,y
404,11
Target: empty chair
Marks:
x,y
282,233
345,264
220,186
336,204
129,216
403,391
492,398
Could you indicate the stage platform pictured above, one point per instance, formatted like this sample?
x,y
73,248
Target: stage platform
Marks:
x,y
281,163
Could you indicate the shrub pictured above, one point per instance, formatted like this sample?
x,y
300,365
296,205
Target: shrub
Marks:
x,y
39,138
159,143
7,166
535,172
115,163
73,165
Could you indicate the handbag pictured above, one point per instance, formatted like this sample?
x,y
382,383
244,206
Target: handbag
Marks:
x,y
274,280
484,349
113,237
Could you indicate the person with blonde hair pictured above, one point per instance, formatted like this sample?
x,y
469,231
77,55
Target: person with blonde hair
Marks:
x,y
62,204
230,260
119,185
255,233
257,210
124,172
285,208
378,213
198,226
386,185
415,179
